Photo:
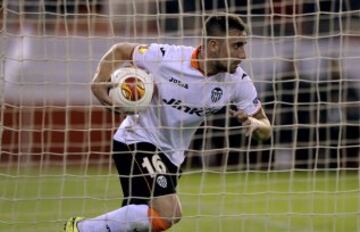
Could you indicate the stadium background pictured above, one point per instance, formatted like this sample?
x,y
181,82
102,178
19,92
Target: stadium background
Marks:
x,y
302,55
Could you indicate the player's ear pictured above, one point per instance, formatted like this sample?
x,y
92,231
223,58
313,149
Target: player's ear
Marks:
x,y
213,45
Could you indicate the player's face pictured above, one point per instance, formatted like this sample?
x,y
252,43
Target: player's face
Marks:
x,y
230,51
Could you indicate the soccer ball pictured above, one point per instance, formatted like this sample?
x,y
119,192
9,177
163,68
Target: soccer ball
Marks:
x,y
134,89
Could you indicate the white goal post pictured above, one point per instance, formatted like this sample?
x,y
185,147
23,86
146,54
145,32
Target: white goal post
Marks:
x,y
303,56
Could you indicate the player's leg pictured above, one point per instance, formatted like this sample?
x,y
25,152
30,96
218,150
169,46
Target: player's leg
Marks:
x,y
124,218
164,212
164,203
148,180
167,208
160,176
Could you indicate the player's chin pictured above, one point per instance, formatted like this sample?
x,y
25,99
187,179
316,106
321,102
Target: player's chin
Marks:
x,y
232,68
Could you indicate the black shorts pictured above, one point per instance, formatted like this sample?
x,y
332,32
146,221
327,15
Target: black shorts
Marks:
x,y
144,172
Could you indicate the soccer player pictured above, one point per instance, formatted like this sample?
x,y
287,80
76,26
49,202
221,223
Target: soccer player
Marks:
x,y
148,147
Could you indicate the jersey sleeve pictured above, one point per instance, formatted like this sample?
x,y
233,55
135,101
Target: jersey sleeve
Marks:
x,y
148,57
245,96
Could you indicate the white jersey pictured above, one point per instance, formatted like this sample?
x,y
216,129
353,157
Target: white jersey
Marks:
x,y
183,99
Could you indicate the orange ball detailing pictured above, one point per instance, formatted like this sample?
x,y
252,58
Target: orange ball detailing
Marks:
x,y
158,223
133,89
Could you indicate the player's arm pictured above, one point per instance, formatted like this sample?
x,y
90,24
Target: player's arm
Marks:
x,y
117,55
258,124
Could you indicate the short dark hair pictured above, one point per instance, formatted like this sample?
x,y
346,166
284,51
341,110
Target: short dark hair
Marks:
x,y
220,25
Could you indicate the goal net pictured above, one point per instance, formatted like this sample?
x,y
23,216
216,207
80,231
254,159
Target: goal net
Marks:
x,y
303,57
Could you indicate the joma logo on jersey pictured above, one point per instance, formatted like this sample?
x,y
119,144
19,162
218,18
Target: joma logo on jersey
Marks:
x,y
179,83
178,104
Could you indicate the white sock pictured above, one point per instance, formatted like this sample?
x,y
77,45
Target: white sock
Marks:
x,y
124,219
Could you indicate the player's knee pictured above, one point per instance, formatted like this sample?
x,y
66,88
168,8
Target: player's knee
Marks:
x,y
176,216
160,223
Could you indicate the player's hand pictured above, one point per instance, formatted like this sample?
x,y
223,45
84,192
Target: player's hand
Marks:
x,y
101,91
247,121
259,128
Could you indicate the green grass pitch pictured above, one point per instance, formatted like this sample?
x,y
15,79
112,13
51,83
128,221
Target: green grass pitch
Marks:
x,y
40,199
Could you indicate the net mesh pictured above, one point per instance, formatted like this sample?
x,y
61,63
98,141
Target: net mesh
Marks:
x,y
55,137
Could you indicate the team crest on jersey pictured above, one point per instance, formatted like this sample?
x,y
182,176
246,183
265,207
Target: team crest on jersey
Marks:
x,y
216,94
161,181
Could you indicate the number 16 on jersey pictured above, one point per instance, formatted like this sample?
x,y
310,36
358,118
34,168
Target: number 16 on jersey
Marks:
x,y
155,166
